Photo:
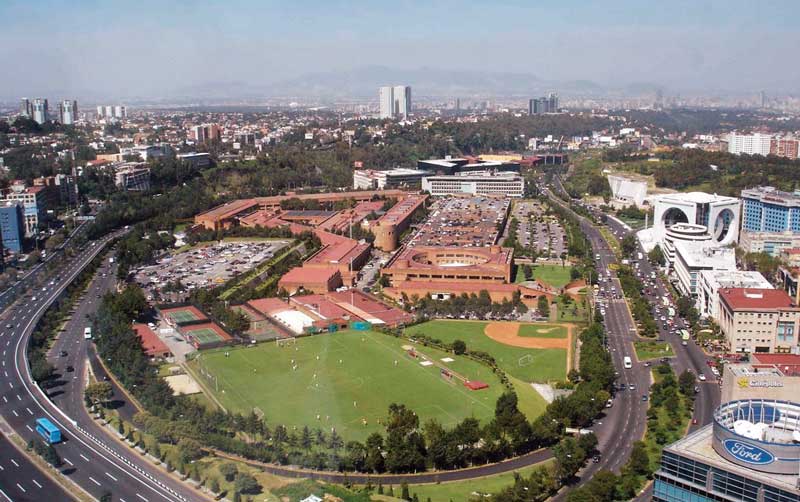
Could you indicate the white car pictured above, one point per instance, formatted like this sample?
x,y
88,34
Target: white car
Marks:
x,y
702,377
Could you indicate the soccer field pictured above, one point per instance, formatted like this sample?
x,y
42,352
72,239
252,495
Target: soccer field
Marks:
x,y
543,364
345,378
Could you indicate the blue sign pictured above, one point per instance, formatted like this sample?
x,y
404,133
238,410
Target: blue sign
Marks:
x,y
747,452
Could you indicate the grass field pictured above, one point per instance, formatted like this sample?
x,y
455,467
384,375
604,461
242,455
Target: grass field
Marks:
x,y
262,377
553,275
542,331
548,364
572,311
652,350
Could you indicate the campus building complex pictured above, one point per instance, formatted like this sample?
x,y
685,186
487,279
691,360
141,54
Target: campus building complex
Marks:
x,y
759,320
503,184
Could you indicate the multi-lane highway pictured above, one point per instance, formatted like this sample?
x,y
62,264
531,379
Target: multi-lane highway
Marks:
x,y
92,460
625,421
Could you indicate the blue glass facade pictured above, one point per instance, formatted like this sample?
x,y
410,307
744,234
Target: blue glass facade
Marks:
x,y
12,227
764,216
682,479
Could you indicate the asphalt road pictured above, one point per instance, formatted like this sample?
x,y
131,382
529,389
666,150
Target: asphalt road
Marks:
x,y
21,480
96,463
625,421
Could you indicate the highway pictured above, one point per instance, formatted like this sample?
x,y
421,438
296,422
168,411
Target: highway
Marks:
x,y
92,460
625,421
21,480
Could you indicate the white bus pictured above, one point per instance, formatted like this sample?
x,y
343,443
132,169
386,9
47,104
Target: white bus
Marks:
x,y
627,362
87,333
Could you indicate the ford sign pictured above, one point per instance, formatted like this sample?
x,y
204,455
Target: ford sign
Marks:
x,y
747,452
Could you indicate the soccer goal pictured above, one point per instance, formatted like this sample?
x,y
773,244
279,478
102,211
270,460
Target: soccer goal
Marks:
x,y
525,360
283,342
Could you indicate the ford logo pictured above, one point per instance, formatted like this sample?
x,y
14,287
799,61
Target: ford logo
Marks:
x,y
747,452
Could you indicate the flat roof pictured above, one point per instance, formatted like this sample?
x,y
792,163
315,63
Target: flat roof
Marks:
x,y
697,446
695,197
736,279
703,255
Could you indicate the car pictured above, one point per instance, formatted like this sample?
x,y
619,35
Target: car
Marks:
x,y
696,389
609,403
694,421
701,377
684,343
596,459
9,326
647,364
70,369
63,353
645,397
631,387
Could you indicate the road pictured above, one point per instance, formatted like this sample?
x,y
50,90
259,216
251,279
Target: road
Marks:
x,y
93,461
625,421
21,480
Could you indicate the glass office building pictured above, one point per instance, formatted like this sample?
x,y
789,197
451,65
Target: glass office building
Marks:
x,y
692,471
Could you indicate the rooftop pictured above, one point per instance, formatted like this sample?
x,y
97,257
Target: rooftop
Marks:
x,y
697,446
772,195
315,275
755,298
736,279
705,255
695,197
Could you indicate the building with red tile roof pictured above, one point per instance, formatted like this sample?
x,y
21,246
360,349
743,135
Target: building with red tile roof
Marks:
x,y
315,280
759,320
151,343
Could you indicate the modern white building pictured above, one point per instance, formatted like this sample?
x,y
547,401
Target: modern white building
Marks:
x,y
505,184
717,213
68,112
40,110
710,282
394,102
627,190
750,144
691,258
369,179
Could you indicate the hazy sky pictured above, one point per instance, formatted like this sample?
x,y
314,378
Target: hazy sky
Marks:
x,y
142,47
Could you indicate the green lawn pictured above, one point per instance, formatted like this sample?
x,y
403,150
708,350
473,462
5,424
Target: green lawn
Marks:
x,y
572,311
553,275
262,377
546,365
543,331
652,350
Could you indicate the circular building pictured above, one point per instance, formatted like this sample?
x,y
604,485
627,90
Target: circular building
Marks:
x,y
759,434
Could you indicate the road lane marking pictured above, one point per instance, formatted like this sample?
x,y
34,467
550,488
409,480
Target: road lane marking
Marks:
x,y
15,413
83,457
19,398
14,462
94,481
145,500
5,399
67,460
29,427
29,411
21,488
110,476
36,483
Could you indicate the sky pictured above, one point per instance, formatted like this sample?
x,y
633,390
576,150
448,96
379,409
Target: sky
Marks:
x,y
152,47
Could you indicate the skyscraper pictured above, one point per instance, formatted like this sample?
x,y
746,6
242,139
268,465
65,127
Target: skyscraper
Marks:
x,y
402,101
545,104
25,107
68,112
395,102
386,96
40,111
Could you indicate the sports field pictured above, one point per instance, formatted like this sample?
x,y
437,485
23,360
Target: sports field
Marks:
x,y
542,331
343,379
516,356
204,336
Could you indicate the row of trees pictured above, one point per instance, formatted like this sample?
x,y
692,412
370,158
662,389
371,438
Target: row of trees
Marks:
x,y
480,305
640,307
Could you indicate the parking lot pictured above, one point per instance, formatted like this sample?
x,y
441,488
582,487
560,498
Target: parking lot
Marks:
x,y
538,230
205,266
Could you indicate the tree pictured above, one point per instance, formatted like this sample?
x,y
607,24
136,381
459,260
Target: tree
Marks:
x,y
404,492
686,383
656,255
228,471
98,392
543,306
639,461
569,458
245,483
374,453
628,245
459,347
214,486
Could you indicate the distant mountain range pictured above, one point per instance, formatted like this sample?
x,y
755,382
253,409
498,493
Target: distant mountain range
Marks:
x,y
363,82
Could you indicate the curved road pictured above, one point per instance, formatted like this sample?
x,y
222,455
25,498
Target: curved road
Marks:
x,y
94,462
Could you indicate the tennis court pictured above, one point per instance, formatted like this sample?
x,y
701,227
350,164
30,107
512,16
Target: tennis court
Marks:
x,y
182,315
205,336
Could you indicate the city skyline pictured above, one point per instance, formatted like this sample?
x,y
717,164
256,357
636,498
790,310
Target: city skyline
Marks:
x,y
94,50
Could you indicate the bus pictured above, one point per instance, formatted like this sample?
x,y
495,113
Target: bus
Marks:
x,y
671,311
626,361
684,335
87,333
48,431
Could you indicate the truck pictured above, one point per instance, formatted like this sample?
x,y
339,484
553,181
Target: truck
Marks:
x,y
87,333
